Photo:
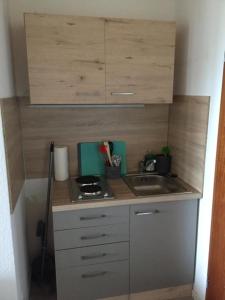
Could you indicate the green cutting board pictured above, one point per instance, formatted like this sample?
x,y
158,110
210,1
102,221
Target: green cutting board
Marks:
x,y
91,161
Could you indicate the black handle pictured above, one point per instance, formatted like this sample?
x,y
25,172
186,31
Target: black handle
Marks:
x,y
146,213
111,147
89,218
94,256
52,147
90,275
93,237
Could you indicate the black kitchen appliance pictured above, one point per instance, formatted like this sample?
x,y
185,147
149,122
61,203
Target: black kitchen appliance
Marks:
x,y
163,164
90,188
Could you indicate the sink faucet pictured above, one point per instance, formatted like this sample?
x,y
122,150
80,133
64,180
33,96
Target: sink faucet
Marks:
x,y
141,166
148,166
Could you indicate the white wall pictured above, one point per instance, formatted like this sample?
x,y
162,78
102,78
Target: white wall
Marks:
x,y
6,77
19,231
8,285
199,67
13,256
143,9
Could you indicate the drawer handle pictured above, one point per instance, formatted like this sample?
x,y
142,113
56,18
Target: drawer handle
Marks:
x,y
122,93
86,257
146,213
92,218
91,275
93,237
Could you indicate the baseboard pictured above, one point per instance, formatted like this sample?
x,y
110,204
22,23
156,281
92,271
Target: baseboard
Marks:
x,y
161,294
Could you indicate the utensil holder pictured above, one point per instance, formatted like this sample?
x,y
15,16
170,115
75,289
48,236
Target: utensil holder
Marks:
x,y
112,172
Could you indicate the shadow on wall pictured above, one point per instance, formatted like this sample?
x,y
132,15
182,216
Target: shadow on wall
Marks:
x,y
181,57
36,197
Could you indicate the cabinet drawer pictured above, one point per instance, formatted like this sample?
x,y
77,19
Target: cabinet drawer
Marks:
x,y
92,255
82,237
93,282
90,217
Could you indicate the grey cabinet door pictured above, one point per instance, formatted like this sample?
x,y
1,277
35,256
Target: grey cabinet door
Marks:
x,y
162,244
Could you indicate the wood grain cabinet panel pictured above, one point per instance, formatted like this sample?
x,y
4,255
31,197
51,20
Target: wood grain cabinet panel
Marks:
x,y
139,61
87,60
65,59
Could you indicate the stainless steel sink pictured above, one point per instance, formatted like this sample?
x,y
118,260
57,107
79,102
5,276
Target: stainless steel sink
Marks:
x,y
149,184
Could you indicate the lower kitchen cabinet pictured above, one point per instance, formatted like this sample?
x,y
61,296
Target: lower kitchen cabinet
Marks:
x,y
94,281
162,244
152,246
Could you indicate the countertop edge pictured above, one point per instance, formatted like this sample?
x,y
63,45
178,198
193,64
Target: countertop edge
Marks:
x,y
132,201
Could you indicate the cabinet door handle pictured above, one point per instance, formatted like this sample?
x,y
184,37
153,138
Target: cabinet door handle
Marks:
x,y
122,93
145,213
86,257
93,237
90,275
92,218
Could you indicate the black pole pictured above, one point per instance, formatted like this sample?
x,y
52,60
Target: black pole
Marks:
x,y
45,238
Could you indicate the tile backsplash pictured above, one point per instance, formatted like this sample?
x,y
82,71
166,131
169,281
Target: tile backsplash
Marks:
x,y
142,129
13,148
188,124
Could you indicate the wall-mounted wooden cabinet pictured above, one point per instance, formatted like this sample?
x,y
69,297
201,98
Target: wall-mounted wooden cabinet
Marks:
x,y
139,61
87,60
66,61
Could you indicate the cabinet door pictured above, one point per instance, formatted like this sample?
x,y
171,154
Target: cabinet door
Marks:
x,y
139,61
65,59
162,245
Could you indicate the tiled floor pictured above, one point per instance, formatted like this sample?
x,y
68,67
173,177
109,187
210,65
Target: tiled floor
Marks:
x,y
46,293
53,297
42,292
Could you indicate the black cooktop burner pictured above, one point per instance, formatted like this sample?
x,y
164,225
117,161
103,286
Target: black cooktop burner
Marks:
x,y
91,190
88,180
